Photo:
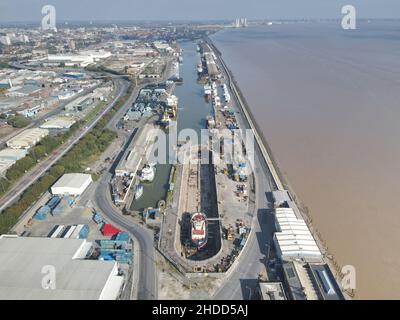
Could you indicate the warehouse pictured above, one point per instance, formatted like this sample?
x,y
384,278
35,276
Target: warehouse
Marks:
x,y
71,184
281,198
325,282
4,165
293,239
80,104
58,123
9,156
27,139
54,268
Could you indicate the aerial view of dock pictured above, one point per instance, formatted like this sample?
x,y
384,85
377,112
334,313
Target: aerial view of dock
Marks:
x,y
144,158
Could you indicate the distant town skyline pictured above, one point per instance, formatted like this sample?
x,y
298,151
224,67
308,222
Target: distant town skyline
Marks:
x,y
129,10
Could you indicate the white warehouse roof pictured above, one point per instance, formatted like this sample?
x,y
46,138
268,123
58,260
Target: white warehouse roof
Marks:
x,y
293,238
8,157
27,138
71,184
76,278
58,123
9,154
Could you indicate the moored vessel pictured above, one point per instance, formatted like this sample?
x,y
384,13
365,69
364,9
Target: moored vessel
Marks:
x,y
199,230
138,191
148,173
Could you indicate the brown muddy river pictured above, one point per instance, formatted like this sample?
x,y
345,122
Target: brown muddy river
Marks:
x,y
328,102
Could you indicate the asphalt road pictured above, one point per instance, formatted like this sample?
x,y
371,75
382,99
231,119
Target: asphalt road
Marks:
x,y
147,282
27,180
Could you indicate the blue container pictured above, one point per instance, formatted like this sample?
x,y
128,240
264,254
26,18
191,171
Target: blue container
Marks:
x,y
122,236
44,210
111,251
53,202
124,257
59,209
105,257
70,201
84,233
97,218
41,214
113,244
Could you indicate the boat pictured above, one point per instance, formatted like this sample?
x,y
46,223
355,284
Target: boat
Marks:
x,y
138,191
175,71
199,230
166,121
207,93
200,68
148,173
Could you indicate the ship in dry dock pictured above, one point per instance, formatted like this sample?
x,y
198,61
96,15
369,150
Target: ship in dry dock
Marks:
x,y
199,230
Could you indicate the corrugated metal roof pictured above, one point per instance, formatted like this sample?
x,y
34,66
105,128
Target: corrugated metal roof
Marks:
x,y
72,180
293,235
22,260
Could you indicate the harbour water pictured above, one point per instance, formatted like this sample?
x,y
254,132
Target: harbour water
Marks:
x,y
192,113
193,109
327,101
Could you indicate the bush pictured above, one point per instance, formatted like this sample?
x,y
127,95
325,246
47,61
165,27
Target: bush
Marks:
x,y
18,121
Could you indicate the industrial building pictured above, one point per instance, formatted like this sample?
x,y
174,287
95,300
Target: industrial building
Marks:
x,y
71,184
58,123
310,281
54,268
27,139
324,282
131,160
4,165
83,59
9,156
209,60
294,287
211,65
80,104
293,239
281,198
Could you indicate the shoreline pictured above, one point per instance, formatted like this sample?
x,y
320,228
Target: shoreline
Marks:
x,y
277,175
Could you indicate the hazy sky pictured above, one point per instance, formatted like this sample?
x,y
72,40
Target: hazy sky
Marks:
x,y
30,10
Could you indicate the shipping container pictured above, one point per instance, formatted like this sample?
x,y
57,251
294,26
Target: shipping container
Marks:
x,y
84,233
97,218
69,232
57,231
53,202
62,235
70,200
41,214
122,236
75,234
113,244
60,208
